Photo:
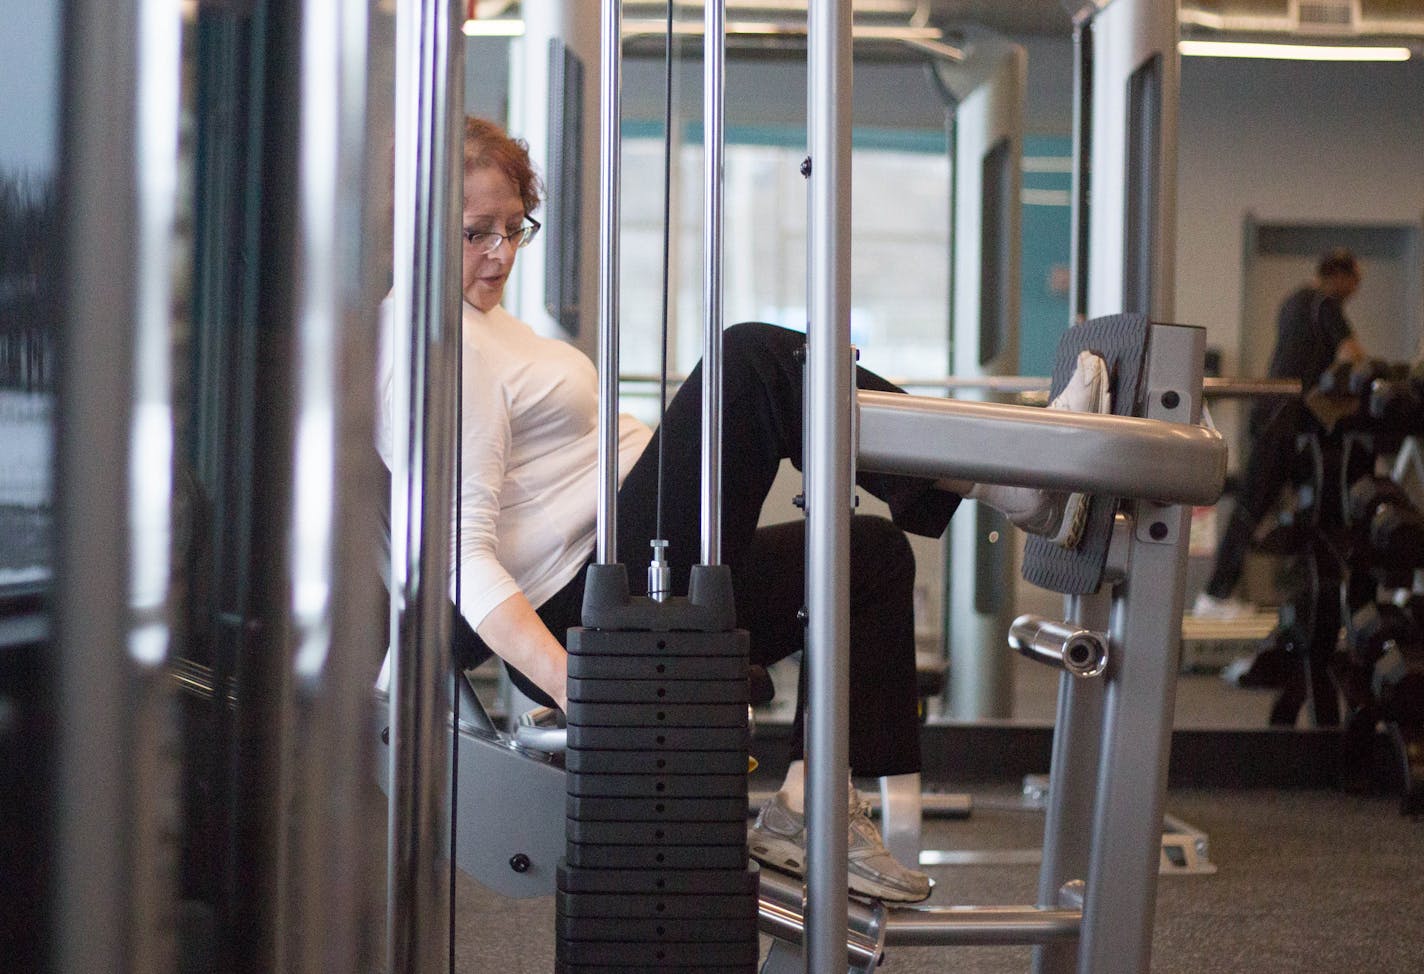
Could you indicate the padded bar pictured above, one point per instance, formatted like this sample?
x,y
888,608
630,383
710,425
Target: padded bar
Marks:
x,y
1030,446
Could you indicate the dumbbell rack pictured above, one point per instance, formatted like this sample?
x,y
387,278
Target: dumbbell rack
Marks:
x,y
1368,536
655,875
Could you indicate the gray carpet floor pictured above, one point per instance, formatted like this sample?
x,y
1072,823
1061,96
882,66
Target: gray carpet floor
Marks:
x,y
1306,882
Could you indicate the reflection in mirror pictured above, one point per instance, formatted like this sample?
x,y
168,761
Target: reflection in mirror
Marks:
x,y
1281,161
1288,147
29,309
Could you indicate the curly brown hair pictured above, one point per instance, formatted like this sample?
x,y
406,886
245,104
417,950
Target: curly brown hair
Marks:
x,y
486,144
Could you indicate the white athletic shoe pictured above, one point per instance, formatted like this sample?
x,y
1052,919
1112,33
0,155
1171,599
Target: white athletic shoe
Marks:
x,y
1056,516
778,839
1208,606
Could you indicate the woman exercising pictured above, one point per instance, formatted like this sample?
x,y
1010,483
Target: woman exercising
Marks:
x,y
526,532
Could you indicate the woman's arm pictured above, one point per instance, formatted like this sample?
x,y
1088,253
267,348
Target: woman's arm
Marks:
x,y
519,637
487,594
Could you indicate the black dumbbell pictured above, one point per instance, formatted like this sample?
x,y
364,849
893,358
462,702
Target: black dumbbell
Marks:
x,y
1335,381
1414,605
1416,375
1398,683
1396,542
1363,374
1395,403
1375,625
1367,494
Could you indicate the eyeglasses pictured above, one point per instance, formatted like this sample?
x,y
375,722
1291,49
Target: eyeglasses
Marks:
x,y
487,242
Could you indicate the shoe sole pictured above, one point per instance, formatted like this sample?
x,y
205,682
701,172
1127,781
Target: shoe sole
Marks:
x,y
780,854
861,886
1075,509
786,856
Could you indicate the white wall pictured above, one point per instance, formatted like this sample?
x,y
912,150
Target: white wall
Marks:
x,y
1289,142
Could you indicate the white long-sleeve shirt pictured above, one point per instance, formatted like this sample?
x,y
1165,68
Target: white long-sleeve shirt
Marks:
x,y
529,452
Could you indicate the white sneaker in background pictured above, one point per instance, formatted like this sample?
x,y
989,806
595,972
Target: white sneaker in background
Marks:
x,y
1208,606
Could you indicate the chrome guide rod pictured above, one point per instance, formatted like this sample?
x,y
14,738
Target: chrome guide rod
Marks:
x,y
428,186
828,484
326,926
610,162
714,60
116,784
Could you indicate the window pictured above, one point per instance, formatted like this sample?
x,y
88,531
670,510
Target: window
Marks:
x,y
899,254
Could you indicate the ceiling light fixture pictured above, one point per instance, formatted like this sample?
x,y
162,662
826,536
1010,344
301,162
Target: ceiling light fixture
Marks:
x,y
493,28
1292,52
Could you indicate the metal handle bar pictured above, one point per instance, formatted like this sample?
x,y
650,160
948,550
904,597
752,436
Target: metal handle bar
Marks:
x,y
1212,388
539,730
1079,651
986,442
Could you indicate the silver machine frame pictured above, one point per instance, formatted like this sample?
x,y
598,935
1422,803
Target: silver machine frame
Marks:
x,y
1118,648
117,795
1102,846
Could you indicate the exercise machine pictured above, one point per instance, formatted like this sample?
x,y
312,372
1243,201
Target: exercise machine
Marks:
x,y
1104,818
1145,466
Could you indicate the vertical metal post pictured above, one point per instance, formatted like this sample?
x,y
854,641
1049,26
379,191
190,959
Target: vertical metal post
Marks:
x,y
714,60
610,159
830,398
988,151
1072,782
426,294
1082,163
1130,133
1141,693
326,923
116,793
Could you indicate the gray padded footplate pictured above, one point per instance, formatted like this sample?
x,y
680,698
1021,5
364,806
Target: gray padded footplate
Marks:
x,y
1121,340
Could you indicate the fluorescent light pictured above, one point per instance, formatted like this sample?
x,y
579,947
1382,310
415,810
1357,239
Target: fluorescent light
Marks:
x,y
493,28
1291,52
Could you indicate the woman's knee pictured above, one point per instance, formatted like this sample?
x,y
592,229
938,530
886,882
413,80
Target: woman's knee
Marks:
x,y
757,341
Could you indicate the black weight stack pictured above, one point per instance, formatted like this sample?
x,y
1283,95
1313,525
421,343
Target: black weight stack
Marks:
x,y
655,875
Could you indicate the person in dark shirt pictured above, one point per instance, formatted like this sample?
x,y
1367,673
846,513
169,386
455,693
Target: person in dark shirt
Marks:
x,y
1311,334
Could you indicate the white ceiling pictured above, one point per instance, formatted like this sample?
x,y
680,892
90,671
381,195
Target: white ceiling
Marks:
x,y
1365,19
